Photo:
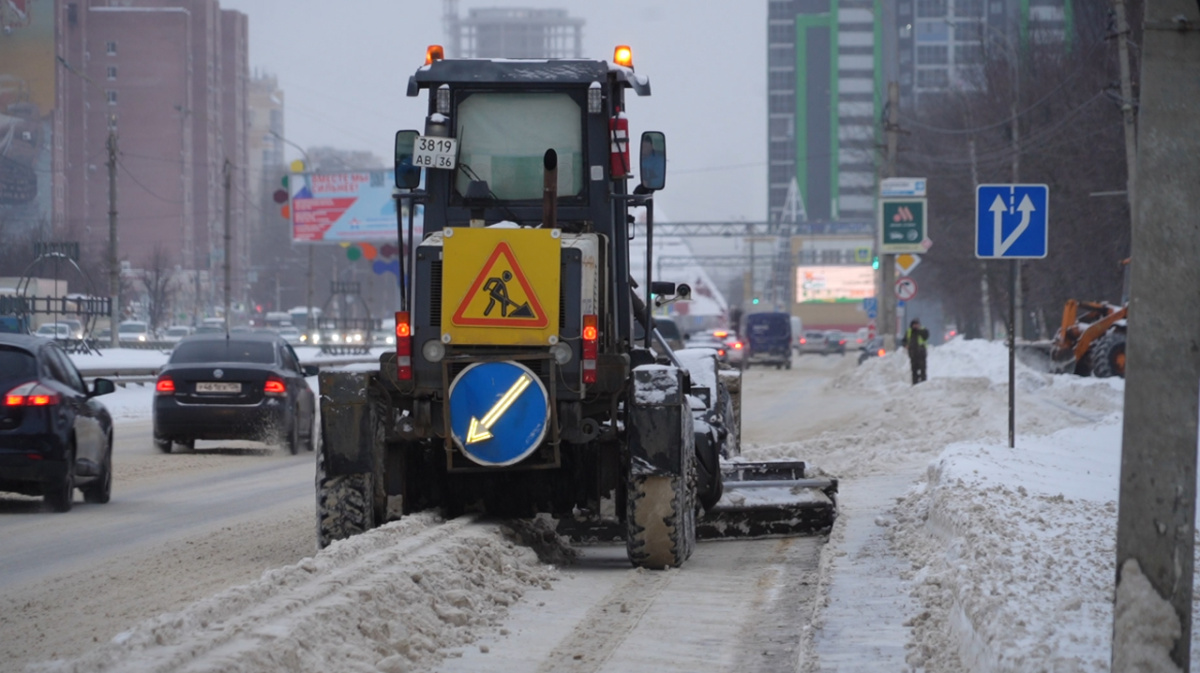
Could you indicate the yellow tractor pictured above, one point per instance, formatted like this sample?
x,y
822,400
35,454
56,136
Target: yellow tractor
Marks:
x,y
1091,340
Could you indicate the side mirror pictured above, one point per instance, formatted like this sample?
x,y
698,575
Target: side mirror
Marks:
x,y
311,370
102,387
408,176
653,160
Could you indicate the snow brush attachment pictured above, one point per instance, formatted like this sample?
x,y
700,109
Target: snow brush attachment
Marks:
x,y
769,499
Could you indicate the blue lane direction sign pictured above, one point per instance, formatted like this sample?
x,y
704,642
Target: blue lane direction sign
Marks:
x,y
1012,221
871,306
499,412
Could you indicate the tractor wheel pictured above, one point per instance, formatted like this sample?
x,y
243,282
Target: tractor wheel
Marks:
x,y
1108,355
345,506
661,520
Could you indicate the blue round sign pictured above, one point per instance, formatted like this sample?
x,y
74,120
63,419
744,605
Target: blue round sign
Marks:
x,y
499,412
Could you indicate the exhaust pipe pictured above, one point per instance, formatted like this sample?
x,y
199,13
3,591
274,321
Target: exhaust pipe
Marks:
x,y
550,190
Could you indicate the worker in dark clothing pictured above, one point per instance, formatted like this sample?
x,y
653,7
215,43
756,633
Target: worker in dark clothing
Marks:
x,y
915,340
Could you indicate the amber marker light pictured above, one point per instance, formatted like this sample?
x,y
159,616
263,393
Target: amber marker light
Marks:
x,y
434,53
623,56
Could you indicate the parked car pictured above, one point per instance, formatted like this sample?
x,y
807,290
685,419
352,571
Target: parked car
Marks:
x,y
873,348
709,341
54,330
381,337
291,335
134,330
245,386
813,341
176,333
835,342
769,339
55,436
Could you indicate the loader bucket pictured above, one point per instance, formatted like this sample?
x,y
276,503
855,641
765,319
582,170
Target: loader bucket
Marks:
x,y
769,499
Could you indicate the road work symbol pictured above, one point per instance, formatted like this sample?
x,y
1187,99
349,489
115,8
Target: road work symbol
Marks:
x,y
501,296
1012,221
497,289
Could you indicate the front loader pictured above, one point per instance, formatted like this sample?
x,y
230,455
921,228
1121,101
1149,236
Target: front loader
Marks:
x,y
523,380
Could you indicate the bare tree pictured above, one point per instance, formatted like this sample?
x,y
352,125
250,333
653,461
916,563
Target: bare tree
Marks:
x,y
158,279
1067,134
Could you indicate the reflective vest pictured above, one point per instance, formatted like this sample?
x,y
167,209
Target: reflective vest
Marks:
x,y
920,340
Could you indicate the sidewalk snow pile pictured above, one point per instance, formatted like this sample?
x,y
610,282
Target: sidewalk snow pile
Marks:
x,y
390,600
1008,554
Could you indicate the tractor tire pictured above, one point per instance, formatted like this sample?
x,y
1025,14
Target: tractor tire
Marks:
x,y
345,506
661,521
709,487
1108,355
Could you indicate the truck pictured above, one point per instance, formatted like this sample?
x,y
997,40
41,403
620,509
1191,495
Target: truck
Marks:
x,y
521,380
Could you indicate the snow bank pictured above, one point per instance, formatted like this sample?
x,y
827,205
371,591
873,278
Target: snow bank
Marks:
x,y
389,600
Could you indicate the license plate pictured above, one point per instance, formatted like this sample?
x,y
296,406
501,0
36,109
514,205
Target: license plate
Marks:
x,y
218,387
431,152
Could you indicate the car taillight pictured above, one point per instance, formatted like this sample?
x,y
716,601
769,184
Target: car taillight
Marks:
x,y
165,386
591,347
737,345
32,394
721,352
274,386
842,342
881,352
803,340
404,370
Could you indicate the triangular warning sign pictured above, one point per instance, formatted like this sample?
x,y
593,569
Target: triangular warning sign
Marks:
x,y
501,296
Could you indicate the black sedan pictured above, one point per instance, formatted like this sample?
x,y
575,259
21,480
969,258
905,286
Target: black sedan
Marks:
x,y
54,435
242,386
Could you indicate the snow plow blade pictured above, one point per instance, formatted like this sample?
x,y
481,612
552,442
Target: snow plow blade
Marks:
x,y
770,499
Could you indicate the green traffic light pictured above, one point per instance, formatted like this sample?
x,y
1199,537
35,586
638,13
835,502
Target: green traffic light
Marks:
x,y
755,301
875,262
284,181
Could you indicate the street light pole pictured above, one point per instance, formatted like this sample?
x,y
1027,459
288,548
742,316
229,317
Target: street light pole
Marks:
x,y
308,301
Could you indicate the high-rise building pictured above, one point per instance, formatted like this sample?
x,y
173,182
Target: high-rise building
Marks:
x,y
828,63
505,32
167,78
824,81
941,44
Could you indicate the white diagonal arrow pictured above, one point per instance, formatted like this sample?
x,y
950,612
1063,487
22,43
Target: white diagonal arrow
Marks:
x,y
1026,209
480,429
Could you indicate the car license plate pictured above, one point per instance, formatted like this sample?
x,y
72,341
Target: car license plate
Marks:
x,y
218,387
431,152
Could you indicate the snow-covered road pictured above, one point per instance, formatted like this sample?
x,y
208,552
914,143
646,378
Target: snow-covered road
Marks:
x,y
951,553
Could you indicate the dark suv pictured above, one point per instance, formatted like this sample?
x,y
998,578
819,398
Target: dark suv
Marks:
x,y
769,339
54,435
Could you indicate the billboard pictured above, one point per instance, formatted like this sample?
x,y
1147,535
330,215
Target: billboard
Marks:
x,y
834,283
345,206
27,100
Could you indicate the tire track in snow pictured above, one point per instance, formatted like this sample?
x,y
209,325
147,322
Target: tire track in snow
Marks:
x,y
606,625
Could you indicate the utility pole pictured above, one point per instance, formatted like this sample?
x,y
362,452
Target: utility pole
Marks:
x,y
114,265
1127,107
228,170
887,263
1157,511
987,327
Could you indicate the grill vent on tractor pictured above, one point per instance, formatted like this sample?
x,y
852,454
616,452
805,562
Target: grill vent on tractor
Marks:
x,y
562,307
435,293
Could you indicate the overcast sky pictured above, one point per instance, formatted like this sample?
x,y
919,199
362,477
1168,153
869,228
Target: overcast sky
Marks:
x,y
344,68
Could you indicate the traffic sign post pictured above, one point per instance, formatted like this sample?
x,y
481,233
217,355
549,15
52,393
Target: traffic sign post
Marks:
x,y
906,263
1012,222
906,288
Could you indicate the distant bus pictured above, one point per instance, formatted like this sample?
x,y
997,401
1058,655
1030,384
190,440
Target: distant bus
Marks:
x,y
277,319
299,316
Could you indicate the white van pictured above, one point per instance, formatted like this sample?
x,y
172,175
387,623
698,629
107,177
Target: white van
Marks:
x,y
797,331
134,330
